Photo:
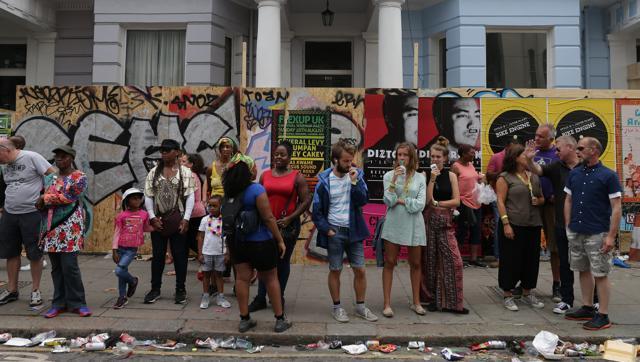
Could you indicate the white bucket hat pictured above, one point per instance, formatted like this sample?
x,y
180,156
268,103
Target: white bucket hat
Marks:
x,y
129,192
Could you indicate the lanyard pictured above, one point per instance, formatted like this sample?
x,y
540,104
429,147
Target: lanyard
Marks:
x,y
528,182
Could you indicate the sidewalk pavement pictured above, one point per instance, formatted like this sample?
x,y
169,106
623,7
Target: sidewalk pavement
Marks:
x,y
309,306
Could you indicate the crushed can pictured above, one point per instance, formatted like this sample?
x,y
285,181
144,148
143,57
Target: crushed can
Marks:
x,y
95,346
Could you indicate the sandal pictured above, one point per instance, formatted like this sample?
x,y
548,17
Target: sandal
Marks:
x,y
417,308
388,312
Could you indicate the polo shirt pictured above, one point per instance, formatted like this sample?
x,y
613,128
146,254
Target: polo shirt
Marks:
x,y
591,188
558,172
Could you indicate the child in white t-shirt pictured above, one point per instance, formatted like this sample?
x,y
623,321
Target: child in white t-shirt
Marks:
x,y
212,253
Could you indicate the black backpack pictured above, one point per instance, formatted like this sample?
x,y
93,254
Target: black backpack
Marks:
x,y
236,223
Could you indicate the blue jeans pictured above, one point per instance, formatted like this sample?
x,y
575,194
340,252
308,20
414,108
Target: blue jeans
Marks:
x,y
339,244
122,270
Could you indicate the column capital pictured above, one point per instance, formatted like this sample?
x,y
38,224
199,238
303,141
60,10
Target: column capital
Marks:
x,y
276,3
370,37
388,3
49,37
286,36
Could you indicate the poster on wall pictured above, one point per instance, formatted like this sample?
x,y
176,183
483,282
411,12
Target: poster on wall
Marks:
x,y
629,226
586,118
503,119
628,145
308,132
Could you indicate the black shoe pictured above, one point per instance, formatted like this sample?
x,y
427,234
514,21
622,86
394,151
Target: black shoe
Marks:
x,y
132,288
478,263
120,303
246,324
583,313
517,292
282,325
555,294
8,297
151,296
597,323
257,304
181,296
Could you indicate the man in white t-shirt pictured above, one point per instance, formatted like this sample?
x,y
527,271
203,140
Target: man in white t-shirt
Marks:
x,y
337,213
23,172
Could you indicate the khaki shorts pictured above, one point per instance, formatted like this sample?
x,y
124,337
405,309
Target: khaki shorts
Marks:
x,y
585,255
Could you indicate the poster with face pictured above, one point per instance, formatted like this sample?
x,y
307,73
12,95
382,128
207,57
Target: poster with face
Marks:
x,y
392,118
628,142
505,119
586,118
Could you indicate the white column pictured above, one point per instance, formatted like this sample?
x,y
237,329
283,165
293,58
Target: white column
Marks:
x,y
41,59
268,52
389,43
370,60
619,58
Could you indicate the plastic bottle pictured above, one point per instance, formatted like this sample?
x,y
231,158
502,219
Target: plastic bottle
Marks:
x,y
530,349
404,169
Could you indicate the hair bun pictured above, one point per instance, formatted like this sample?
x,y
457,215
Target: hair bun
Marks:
x,y
442,141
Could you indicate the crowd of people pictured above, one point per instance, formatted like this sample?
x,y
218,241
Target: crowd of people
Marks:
x,y
556,188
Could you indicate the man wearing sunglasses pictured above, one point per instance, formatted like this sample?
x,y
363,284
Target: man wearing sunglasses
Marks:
x,y
592,212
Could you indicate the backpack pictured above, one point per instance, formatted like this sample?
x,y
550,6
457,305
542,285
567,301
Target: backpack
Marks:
x,y
237,223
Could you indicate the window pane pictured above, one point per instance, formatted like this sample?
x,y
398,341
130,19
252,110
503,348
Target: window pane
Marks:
x,y
327,80
327,55
13,56
516,60
8,91
155,57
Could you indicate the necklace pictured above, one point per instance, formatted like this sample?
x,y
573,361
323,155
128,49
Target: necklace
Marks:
x,y
214,226
527,182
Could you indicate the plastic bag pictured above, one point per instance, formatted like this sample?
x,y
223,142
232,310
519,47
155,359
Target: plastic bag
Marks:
x,y
485,194
545,343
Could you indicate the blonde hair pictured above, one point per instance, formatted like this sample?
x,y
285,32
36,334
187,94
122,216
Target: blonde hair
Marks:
x,y
441,145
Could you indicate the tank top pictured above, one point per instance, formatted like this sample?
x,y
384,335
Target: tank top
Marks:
x,y
216,181
280,189
467,180
442,188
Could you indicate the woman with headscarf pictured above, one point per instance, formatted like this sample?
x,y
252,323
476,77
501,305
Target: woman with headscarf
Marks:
x,y
225,149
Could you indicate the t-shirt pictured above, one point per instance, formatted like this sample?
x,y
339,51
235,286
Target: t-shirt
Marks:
x,y
339,200
24,178
251,193
546,158
129,229
212,228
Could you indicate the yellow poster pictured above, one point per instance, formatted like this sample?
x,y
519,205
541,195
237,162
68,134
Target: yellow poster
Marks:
x,y
586,118
503,119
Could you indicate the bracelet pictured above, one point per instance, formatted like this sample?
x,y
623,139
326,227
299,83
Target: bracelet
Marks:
x,y
504,217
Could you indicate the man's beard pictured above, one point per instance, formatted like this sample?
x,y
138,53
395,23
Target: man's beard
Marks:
x,y
340,169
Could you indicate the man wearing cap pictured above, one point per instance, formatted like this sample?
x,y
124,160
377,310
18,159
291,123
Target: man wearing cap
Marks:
x,y
169,199
23,172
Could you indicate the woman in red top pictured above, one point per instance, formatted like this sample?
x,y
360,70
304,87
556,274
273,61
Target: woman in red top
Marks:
x,y
289,198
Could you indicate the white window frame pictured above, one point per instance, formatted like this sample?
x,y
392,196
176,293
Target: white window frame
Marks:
x,y
549,40
147,27
15,72
325,71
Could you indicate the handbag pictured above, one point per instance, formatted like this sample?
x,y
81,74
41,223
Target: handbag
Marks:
x,y
171,219
290,232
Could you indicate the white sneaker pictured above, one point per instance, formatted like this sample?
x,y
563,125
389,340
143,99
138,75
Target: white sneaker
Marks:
x,y
510,304
366,313
221,301
36,298
561,308
340,315
28,266
532,300
204,303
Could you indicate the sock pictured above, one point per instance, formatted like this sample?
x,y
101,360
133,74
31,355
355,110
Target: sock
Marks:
x,y
360,307
280,317
336,305
245,318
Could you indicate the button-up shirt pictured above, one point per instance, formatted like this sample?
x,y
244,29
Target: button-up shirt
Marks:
x,y
591,189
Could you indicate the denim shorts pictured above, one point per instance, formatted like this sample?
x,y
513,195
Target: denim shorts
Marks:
x,y
340,244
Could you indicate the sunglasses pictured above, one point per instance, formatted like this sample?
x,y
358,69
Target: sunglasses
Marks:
x,y
166,150
581,148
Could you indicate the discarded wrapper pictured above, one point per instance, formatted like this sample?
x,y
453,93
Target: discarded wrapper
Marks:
x,y
373,345
450,356
323,345
5,337
41,337
126,338
18,342
102,337
243,344
61,349
52,342
355,349
416,345
207,343
77,342
255,349
229,343
95,346
387,348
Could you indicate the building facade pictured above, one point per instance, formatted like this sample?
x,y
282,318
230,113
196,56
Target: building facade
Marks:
x,y
298,43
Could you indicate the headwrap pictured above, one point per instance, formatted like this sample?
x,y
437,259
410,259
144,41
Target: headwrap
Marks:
x,y
240,157
226,140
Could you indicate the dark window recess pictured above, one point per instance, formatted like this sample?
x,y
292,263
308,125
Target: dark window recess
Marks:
x,y
8,91
13,56
516,60
327,55
327,80
228,54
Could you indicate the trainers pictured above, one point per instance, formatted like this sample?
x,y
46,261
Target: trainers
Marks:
x,y
132,288
583,313
246,324
366,313
598,322
151,296
510,304
282,325
517,292
478,263
221,301
8,297
555,295
532,300
83,311
36,298
561,308
204,302
28,266
340,315
121,302
181,296
53,312
257,304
